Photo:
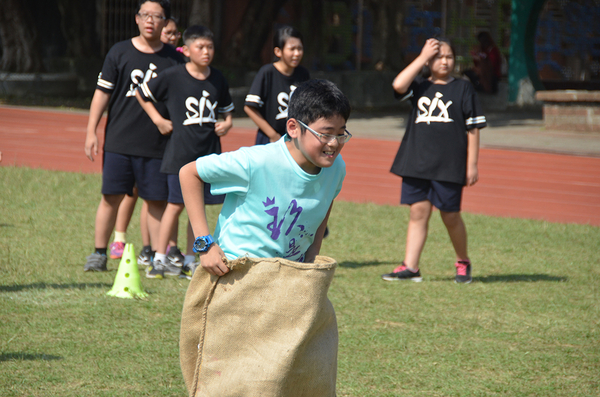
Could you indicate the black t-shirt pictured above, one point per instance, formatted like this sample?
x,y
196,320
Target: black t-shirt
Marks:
x,y
434,146
194,106
129,130
270,94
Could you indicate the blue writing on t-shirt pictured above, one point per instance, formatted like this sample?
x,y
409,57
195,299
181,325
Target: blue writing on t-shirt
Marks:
x,y
275,226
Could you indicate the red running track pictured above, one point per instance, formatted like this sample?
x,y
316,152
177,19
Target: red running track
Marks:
x,y
552,187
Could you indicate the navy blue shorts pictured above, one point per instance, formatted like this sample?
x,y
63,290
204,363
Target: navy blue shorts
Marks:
x,y
263,139
445,196
176,197
120,173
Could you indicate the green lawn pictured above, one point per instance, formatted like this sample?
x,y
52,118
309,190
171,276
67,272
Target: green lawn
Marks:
x,y
528,325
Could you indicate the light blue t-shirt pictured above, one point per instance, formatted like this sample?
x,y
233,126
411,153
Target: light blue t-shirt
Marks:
x,y
273,208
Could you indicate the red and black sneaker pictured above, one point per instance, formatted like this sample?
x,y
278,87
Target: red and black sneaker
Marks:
x,y
463,272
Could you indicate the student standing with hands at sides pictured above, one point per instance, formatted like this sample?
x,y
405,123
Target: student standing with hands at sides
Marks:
x,y
268,99
195,95
169,35
438,154
133,147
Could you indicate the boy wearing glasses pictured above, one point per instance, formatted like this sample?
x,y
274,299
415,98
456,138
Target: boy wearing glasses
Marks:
x,y
133,145
278,196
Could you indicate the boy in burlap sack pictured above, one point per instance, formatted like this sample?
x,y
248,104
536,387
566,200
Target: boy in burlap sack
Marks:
x,y
256,326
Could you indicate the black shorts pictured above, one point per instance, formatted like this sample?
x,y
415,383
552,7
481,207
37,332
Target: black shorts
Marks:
x,y
176,197
120,173
445,196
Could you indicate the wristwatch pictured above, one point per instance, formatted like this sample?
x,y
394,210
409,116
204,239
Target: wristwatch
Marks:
x,y
203,243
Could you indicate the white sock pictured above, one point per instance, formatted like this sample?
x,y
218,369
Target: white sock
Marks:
x,y
160,257
119,237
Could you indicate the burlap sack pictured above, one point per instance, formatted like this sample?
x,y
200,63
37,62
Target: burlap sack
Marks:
x,y
266,328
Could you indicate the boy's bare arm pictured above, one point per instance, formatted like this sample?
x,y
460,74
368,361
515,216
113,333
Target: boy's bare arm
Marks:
x,y
192,188
97,107
315,248
406,76
472,156
164,126
260,121
223,127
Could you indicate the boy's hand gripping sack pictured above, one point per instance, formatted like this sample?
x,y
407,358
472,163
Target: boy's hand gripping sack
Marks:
x,y
265,328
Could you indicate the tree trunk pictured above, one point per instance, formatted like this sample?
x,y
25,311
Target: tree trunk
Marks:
x,y
247,42
78,25
201,13
20,40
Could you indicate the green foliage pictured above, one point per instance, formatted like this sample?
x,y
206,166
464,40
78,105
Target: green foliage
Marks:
x,y
527,325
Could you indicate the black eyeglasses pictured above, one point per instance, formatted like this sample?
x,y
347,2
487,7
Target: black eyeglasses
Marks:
x,y
155,17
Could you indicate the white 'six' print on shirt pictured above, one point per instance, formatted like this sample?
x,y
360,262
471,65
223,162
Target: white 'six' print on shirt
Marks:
x,y
428,107
283,99
138,77
195,113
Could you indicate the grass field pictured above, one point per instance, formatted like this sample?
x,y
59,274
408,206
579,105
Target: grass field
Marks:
x,y
528,325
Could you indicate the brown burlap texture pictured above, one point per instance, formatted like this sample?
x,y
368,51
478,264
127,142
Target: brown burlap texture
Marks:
x,y
266,328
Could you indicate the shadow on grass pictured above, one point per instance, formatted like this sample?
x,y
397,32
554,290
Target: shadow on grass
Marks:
x,y
27,357
518,278
355,265
16,288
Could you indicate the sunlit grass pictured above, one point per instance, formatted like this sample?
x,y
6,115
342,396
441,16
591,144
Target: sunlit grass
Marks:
x,y
527,325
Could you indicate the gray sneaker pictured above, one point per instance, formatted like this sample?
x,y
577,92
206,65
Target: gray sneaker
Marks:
x,y
159,270
171,269
156,270
187,271
95,263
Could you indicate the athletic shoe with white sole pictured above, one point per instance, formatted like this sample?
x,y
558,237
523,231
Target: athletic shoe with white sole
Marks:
x,y
175,256
187,271
156,270
403,273
159,270
145,257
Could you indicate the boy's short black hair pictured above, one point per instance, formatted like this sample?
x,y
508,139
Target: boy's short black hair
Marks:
x,y
197,32
282,34
165,4
315,99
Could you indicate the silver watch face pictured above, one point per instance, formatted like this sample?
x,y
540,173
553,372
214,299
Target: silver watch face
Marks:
x,y
200,244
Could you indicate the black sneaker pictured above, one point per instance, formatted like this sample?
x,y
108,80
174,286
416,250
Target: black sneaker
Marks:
x,y
463,272
175,257
403,273
95,263
145,257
